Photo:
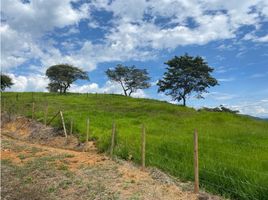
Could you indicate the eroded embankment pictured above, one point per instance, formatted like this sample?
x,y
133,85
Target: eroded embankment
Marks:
x,y
37,163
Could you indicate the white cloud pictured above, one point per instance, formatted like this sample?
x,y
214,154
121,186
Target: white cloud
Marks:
x,y
91,54
223,69
226,79
146,34
72,30
262,39
24,24
12,47
140,94
257,108
93,24
31,82
259,75
37,17
140,28
211,22
108,88
38,83
252,36
220,57
264,100
220,96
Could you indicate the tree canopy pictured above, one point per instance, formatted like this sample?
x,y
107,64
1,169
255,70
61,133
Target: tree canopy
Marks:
x,y
61,77
221,108
6,82
186,75
130,78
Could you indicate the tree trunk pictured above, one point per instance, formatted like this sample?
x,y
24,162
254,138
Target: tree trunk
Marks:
x,y
125,92
129,94
184,101
65,87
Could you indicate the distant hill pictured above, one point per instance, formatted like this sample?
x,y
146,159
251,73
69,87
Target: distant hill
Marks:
x,y
258,118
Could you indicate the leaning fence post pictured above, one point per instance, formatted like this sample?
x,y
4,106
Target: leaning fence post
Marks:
x,y
33,109
196,169
143,142
87,128
63,124
112,140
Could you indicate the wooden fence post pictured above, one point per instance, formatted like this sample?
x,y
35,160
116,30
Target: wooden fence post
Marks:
x,y
196,169
16,109
4,105
87,128
112,140
63,124
9,113
23,108
17,96
71,126
46,112
33,110
143,142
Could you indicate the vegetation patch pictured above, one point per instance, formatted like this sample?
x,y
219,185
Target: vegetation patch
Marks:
x,y
232,148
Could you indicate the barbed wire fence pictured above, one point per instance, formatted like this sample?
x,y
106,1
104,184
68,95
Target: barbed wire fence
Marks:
x,y
222,171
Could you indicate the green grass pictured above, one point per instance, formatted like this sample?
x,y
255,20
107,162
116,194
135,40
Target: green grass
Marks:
x,y
233,149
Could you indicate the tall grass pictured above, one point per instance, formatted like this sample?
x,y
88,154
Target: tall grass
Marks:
x,y
233,148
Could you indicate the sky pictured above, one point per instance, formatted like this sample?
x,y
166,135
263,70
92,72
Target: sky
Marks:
x,y
232,36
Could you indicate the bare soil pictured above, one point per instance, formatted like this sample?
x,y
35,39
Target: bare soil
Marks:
x,y
38,163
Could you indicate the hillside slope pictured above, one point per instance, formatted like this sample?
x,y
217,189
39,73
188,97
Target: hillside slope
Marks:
x,y
233,152
33,171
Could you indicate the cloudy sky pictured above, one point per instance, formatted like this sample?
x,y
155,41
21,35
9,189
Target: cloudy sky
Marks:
x,y
95,35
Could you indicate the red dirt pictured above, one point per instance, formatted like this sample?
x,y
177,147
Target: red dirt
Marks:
x,y
130,179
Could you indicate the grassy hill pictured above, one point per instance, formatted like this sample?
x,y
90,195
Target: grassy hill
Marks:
x,y
233,149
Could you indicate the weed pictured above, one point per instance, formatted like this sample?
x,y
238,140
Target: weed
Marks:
x,y
51,189
35,150
64,184
63,167
28,180
68,155
22,156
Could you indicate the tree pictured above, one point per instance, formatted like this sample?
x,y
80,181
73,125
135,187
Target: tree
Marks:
x,y
186,75
130,78
53,87
6,81
221,108
61,77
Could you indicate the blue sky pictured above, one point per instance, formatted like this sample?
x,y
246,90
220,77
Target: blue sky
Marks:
x,y
232,36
